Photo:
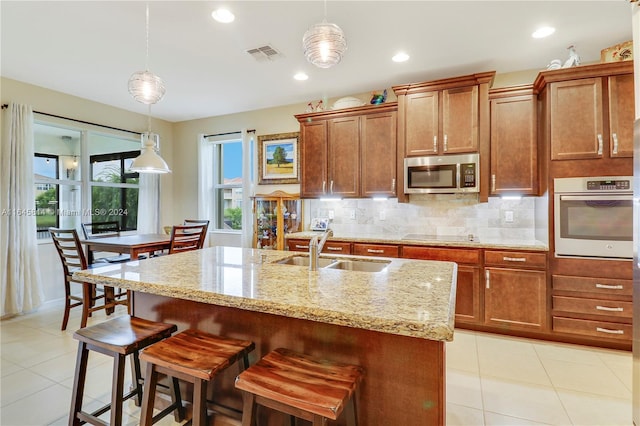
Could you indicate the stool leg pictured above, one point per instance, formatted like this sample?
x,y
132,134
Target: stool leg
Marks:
x,y
117,389
248,409
199,402
319,420
176,399
350,412
136,375
78,383
150,383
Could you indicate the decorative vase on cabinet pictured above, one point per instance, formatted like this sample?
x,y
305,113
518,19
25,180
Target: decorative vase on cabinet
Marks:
x,y
275,215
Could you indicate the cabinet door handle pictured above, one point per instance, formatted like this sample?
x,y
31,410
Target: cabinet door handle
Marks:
x,y
334,248
331,188
608,309
487,280
374,251
615,143
606,330
298,246
435,143
599,144
493,183
393,185
445,143
324,186
514,259
610,287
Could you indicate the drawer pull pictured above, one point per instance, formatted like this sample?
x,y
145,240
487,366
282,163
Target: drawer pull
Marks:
x,y
610,287
486,278
374,251
514,259
301,247
606,308
334,248
606,330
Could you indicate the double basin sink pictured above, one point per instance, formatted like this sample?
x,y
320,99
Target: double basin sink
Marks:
x,y
344,263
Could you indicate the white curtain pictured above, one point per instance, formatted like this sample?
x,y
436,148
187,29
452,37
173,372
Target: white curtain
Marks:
x,y
149,204
19,270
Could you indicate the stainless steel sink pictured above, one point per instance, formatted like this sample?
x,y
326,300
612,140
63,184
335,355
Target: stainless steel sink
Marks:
x,y
339,263
360,265
304,261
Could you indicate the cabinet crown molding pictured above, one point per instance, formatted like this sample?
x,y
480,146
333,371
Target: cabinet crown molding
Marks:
x,y
346,112
447,83
582,71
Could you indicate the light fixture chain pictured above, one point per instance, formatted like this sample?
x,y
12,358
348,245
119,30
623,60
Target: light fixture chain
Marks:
x,y
146,65
149,118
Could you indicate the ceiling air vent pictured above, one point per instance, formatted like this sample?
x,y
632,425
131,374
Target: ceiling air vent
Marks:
x,y
264,53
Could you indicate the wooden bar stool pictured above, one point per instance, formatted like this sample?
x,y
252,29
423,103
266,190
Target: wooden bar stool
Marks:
x,y
117,338
195,357
301,386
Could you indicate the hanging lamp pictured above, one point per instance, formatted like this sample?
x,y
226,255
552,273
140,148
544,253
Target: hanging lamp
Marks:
x,y
149,160
145,86
324,44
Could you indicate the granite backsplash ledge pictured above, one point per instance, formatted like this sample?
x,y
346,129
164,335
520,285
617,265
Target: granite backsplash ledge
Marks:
x,y
442,215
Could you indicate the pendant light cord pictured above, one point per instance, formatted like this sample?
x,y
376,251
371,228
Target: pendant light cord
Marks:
x,y
147,40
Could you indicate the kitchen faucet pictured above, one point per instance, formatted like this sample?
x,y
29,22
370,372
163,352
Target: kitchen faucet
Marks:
x,y
315,248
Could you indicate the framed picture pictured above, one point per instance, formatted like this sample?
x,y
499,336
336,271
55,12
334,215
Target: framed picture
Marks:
x,y
278,159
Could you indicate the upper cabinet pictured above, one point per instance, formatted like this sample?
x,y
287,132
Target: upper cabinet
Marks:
x,y
349,153
515,157
449,116
588,113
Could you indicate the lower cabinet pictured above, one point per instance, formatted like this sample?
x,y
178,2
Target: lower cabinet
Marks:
x,y
468,295
380,250
515,298
334,247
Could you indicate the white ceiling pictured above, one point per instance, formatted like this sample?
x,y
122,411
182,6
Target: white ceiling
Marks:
x,y
90,48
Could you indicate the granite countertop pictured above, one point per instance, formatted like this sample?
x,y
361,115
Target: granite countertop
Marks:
x,y
410,297
432,240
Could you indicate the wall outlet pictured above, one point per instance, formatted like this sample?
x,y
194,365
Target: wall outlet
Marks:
x,y
382,215
331,214
352,214
508,216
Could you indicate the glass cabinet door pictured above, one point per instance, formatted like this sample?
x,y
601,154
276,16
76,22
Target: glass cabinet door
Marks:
x,y
266,224
292,215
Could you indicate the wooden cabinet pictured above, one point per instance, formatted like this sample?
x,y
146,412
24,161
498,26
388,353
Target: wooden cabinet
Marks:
x,y
449,116
601,308
468,294
275,215
515,158
589,111
380,250
515,294
348,153
335,247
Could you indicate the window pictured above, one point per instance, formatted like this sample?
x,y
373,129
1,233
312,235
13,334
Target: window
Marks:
x,y
68,194
227,185
114,189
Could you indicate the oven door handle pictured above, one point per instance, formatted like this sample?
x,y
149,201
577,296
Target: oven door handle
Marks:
x,y
596,197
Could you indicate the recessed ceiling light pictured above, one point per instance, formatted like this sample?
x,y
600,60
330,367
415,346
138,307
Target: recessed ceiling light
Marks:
x,y
223,15
543,32
301,76
400,57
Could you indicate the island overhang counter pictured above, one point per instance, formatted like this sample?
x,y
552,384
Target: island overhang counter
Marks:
x,y
394,323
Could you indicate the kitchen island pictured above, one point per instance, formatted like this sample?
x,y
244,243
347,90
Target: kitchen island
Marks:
x,y
394,323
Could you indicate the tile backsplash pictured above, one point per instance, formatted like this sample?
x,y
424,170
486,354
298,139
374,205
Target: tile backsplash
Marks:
x,y
442,215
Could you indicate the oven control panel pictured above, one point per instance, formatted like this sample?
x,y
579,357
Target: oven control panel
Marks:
x,y
609,185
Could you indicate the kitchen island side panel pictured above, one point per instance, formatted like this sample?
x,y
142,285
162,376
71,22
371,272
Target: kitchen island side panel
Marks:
x,y
404,382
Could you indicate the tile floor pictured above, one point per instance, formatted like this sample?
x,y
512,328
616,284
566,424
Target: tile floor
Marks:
x,y
491,380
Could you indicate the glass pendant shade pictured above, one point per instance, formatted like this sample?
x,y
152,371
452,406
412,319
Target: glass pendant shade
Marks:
x,y
146,87
324,44
149,161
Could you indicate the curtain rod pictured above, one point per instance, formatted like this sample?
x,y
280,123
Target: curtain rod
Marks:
x,y
80,121
229,133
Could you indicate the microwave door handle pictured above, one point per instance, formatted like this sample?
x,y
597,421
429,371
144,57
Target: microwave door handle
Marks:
x,y
458,175
596,198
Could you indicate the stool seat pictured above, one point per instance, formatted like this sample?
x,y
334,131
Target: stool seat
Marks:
x,y
300,381
193,356
118,338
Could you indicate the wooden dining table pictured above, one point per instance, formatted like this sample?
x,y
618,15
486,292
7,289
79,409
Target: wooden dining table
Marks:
x,y
134,245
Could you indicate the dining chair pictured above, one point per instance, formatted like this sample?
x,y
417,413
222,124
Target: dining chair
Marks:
x,y
199,222
187,237
72,257
104,230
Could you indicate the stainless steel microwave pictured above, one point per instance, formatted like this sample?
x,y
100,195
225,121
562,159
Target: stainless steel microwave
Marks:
x,y
442,174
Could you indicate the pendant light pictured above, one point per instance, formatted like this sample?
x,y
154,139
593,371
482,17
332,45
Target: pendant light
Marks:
x,y
149,160
324,44
145,86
